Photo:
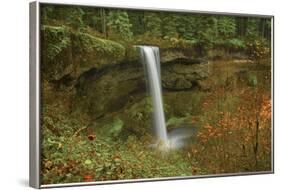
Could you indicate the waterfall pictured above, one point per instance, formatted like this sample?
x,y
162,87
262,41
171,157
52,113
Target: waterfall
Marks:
x,y
151,61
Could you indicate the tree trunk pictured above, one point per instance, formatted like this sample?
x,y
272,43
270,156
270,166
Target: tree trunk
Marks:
x,y
262,27
103,22
242,26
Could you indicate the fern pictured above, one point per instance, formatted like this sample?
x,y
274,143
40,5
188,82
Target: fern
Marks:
x,y
57,38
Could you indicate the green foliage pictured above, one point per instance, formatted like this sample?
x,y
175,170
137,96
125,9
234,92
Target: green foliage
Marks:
x,y
89,44
170,25
253,28
75,157
153,24
202,32
196,32
206,30
56,39
92,18
187,27
75,18
111,128
117,127
235,44
137,20
226,26
252,79
119,24
46,14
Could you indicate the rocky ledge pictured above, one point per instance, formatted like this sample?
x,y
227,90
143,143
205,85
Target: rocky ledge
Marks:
x,y
110,89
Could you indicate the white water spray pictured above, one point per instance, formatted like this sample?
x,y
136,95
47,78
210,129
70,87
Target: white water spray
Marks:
x,y
177,137
151,60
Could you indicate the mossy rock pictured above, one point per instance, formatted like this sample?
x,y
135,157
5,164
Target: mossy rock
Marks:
x,y
135,118
92,52
110,90
179,76
56,48
68,52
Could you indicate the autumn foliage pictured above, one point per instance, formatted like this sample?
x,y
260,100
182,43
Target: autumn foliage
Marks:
x,y
234,138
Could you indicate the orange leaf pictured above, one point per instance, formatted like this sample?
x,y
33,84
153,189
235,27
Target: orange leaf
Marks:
x,y
88,178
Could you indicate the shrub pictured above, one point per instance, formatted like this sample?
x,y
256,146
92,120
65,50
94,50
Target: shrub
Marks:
x,y
258,48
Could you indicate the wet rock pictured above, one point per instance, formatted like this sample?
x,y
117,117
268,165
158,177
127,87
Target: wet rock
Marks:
x,y
109,90
183,77
100,92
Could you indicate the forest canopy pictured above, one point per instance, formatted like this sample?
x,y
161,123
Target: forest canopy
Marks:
x,y
202,31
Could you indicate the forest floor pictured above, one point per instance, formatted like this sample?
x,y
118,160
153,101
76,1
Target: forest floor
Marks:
x,y
234,135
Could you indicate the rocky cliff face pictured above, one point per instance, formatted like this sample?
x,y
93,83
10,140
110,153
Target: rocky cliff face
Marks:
x,y
110,89
105,74
66,52
107,80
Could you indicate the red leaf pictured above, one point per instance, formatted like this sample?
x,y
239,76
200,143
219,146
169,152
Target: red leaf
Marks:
x,y
92,137
88,178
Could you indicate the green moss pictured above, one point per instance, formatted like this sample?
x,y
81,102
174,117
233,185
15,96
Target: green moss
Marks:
x,y
111,129
86,43
175,121
56,38
66,51
59,37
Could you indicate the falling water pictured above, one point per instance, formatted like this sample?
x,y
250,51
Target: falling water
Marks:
x,y
151,61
